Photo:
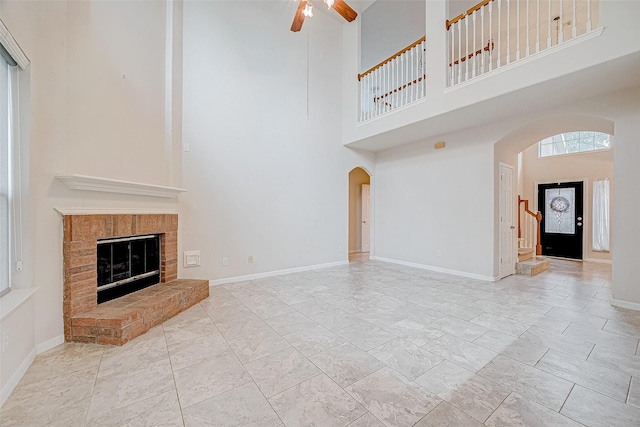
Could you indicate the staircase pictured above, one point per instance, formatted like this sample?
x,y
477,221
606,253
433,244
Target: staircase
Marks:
x,y
529,262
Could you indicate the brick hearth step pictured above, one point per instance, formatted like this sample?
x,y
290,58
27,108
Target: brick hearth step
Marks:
x,y
118,321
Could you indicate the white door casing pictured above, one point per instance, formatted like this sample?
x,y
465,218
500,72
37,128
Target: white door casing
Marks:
x,y
366,220
507,228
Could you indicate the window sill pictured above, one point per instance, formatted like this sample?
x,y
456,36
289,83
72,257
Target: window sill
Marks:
x,y
14,299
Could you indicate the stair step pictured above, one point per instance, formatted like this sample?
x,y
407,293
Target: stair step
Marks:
x,y
533,266
526,254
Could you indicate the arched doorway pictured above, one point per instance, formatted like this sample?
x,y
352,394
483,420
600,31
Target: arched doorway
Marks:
x,y
539,173
359,214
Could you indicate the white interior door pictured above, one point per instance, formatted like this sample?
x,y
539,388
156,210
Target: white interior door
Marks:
x,y
507,227
366,226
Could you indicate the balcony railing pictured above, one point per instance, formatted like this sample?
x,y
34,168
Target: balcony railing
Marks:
x,y
495,33
395,82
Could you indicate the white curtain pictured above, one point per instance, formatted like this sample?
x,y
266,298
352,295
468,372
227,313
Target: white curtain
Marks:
x,y
601,215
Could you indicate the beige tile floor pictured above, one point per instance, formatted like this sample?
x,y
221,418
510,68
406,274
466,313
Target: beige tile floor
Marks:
x,y
368,344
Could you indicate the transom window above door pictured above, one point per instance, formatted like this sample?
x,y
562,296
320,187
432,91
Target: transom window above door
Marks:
x,y
573,142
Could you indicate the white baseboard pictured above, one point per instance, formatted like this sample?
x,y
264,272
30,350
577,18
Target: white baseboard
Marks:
x,y
49,344
275,273
17,376
626,304
438,269
599,261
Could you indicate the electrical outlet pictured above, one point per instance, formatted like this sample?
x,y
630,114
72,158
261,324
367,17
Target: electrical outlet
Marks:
x,y
438,252
225,261
5,342
250,259
339,248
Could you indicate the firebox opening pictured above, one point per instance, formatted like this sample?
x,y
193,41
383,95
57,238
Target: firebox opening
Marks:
x,y
126,265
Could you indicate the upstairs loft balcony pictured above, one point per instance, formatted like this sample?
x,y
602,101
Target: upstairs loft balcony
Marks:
x,y
495,48
490,35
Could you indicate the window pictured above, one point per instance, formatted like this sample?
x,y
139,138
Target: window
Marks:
x,y
573,142
12,58
601,201
5,155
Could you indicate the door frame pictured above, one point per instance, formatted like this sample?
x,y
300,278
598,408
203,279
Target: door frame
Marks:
x,y
371,210
586,207
514,212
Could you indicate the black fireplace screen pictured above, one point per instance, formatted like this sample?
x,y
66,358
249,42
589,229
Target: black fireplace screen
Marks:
x,y
126,265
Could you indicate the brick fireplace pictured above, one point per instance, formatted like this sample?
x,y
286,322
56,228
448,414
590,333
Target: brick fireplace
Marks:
x,y
122,319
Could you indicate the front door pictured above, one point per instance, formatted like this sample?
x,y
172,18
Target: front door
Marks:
x,y
562,219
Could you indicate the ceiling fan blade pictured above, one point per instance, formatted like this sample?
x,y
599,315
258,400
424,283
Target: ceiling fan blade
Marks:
x,y
345,10
298,18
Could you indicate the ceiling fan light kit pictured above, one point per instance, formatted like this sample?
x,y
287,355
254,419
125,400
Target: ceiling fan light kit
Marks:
x,y
305,9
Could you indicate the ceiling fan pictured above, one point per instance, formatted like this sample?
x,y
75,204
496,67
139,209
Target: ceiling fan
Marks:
x,y
305,9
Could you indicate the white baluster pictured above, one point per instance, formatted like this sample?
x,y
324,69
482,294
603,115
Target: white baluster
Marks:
x,y
588,15
386,87
475,34
459,24
395,81
366,97
378,91
560,26
360,113
508,59
414,55
466,48
482,39
575,27
452,38
549,32
518,29
490,36
499,59
370,103
527,51
423,52
402,94
538,27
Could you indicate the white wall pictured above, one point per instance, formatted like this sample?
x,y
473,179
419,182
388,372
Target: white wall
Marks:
x,y
82,116
388,27
357,177
626,287
587,167
431,200
266,172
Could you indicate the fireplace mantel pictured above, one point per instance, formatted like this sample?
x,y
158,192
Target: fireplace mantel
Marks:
x,y
107,185
114,211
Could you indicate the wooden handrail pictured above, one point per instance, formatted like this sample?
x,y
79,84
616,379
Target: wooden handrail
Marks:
x,y
419,79
392,57
488,48
478,6
537,216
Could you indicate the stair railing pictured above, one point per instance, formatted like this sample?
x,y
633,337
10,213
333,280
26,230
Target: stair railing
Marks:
x,y
529,227
395,82
520,28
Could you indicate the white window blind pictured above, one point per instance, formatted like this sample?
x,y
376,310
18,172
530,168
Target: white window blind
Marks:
x,y
5,155
601,215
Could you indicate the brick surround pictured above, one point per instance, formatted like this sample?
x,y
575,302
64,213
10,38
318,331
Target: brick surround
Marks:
x,y
133,315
